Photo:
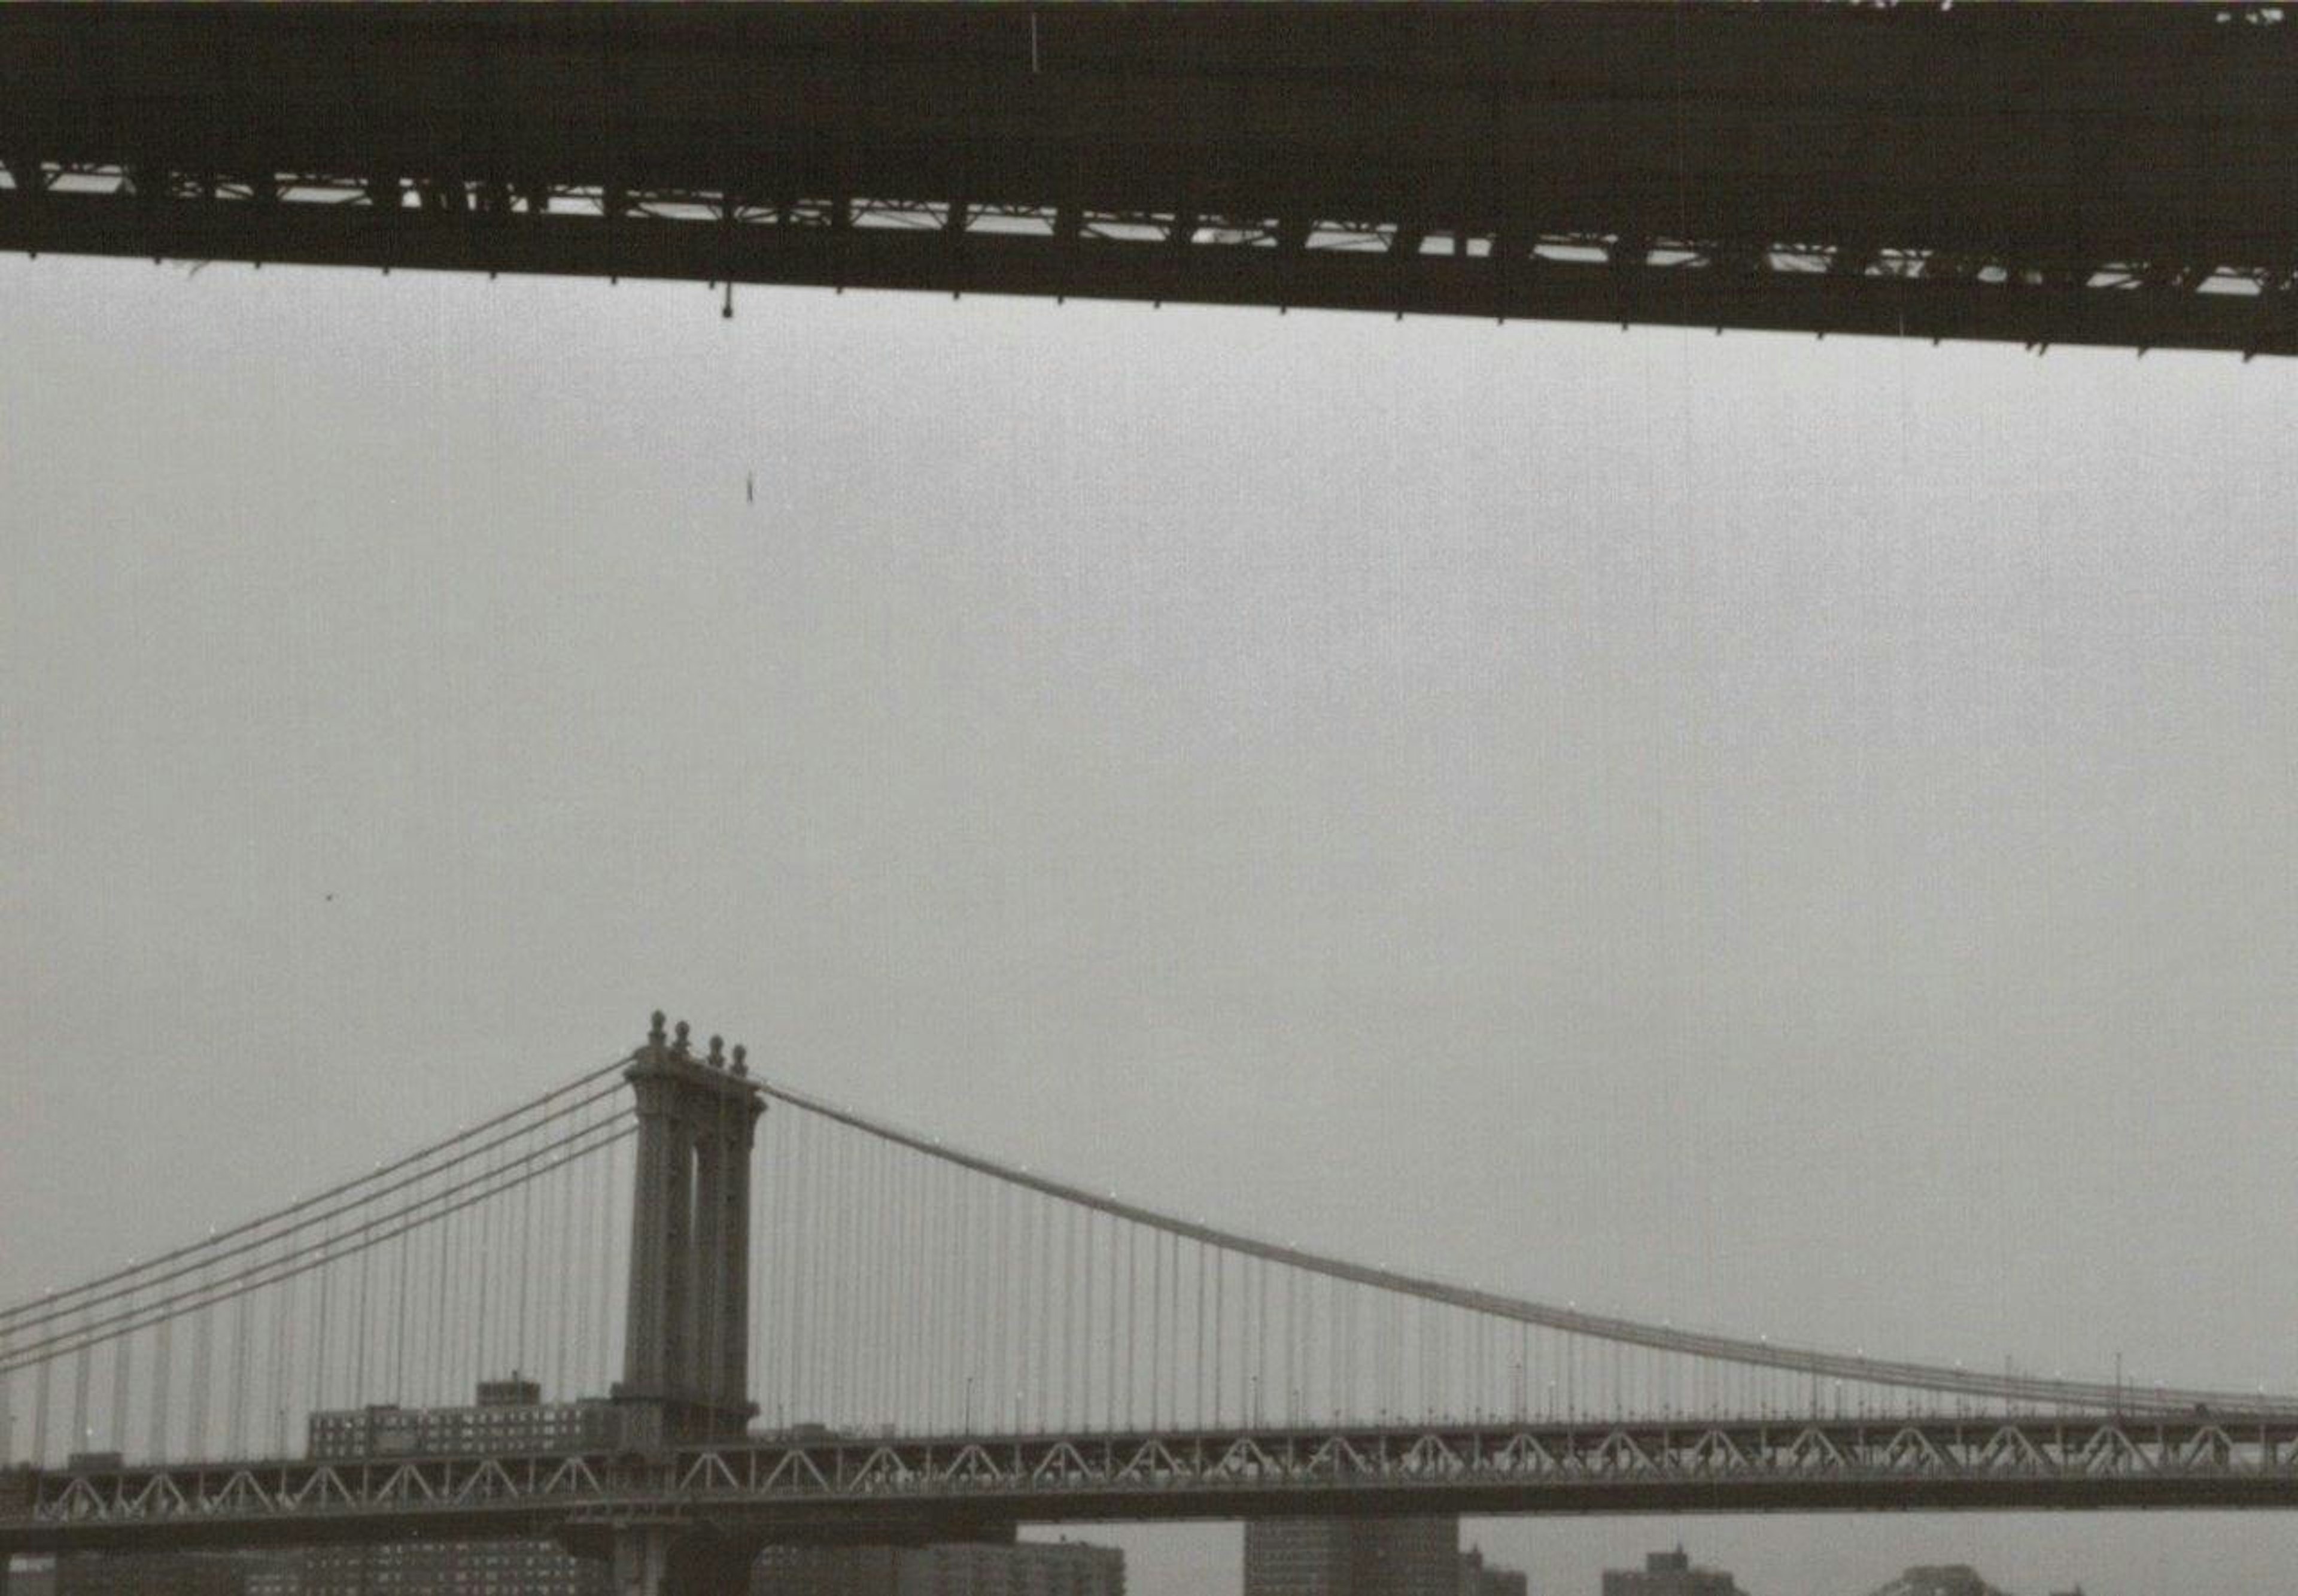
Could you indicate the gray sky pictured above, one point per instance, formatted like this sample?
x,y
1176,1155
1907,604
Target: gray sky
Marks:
x,y
1795,837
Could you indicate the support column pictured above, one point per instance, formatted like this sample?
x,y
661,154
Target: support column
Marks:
x,y
686,1352
683,1559
738,1131
708,1251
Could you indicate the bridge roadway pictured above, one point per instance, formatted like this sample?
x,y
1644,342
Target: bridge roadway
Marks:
x,y
2124,176
850,1489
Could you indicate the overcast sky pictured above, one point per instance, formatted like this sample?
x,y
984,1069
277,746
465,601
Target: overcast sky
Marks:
x,y
1794,837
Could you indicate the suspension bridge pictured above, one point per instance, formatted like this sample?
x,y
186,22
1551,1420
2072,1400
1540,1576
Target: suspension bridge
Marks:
x,y
769,1317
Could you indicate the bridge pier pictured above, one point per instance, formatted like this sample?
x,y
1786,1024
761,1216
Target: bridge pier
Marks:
x,y
683,1557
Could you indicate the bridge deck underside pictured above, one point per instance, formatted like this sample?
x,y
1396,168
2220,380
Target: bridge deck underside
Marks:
x,y
2078,175
847,1489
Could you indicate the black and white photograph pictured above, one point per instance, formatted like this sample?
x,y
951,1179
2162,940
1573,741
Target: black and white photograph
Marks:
x,y
1490,798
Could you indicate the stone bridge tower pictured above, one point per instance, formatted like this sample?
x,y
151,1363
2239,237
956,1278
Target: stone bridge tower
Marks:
x,y
687,1339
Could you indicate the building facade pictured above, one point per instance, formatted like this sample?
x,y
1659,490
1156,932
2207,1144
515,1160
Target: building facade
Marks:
x,y
1022,1568
1352,1557
827,1571
509,1416
1669,1574
171,1574
1481,1578
452,1568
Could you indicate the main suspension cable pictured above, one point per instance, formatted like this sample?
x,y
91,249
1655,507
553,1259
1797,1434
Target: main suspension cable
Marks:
x,y
52,1307
46,1304
330,1250
1816,1362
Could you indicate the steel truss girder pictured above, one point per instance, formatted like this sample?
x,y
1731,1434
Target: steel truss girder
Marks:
x,y
829,1487
1061,249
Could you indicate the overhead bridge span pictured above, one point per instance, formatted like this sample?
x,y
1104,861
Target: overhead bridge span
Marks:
x,y
2118,176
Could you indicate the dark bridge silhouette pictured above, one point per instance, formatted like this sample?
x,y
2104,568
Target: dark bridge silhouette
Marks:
x,y
2107,175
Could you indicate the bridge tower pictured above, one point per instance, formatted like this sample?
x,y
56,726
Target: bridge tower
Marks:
x,y
687,1339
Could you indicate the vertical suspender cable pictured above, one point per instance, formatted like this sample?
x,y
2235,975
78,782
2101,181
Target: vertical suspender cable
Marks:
x,y
921,1316
235,1413
961,1283
801,1219
116,1416
608,1237
79,1437
773,1391
754,1273
845,1326
842,1327
163,1350
1043,1350
563,1310
319,1393
203,1357
1305,1407
1156,1328
361,1393
886,1222
986,1343
1007,1342
1197,1370
810,1218
1109,1341
525,1264
1291,1373
953,1393
483,1273
1261,1339
1012,1295
951,1321
980,1244
1130,1365
40,1378
983,1405
905,1264
399,1391
893,1231
442,1234
1220,1336
830,1321
849,1325
469,1290
845,1323
1077,1322
279,1387
1177,1404
824,1330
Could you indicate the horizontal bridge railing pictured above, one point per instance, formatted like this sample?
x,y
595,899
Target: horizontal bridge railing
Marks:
x,y
1258,254
1034,1475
